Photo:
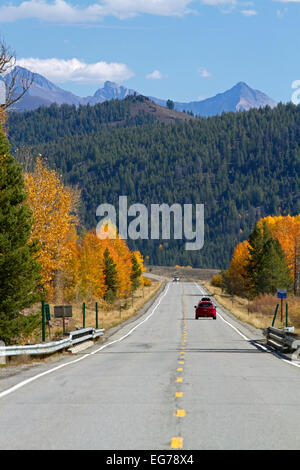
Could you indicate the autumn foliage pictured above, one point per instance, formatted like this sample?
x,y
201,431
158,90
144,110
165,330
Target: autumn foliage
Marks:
x,y
3,119
84,271
54,217
285,230
72,266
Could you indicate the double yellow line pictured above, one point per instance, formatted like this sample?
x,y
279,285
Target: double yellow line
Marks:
x,y
177,442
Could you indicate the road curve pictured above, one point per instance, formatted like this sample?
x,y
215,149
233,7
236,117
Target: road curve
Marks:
x,y
165,379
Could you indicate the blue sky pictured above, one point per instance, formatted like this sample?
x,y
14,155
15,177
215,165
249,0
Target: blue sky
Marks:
x,y
178,49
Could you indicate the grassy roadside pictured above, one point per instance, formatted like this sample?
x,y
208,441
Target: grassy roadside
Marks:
x,y
109,318
120,311
260,311
108,315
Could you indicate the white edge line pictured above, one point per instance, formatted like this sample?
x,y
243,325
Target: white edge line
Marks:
x,y
35,377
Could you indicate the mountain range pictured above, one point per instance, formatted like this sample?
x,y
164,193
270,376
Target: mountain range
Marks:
x,y
43,92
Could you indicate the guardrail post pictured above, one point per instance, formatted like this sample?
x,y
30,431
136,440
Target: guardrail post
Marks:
x,y
97,316
83,315
43,322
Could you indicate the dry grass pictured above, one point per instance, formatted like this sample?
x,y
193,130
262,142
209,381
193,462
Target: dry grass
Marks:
x,y
260,311
108,315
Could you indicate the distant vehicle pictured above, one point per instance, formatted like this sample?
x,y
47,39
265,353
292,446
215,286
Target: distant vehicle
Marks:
x,y
205,308
175,279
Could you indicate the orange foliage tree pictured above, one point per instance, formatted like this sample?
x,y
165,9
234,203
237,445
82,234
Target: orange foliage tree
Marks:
x,y
286,229
54,214
84,277
235,276
3,118
72,267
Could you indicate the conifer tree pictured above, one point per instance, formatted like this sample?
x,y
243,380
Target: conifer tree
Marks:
x,y
135,273
266,269
19,269
111,277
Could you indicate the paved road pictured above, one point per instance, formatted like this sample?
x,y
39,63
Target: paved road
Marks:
x,y
199,384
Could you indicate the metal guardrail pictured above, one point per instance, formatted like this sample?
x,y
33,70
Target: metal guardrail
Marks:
x,y
74,337
281,339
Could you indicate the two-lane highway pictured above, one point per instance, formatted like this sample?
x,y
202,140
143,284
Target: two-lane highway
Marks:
x,y
165,380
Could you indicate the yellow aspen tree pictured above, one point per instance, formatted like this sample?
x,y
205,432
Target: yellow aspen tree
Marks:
x,y
3,119
236,272
92,283
124,265
72,271
54,213
120,254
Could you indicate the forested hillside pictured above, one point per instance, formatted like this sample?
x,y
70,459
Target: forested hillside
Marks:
x,y
242,166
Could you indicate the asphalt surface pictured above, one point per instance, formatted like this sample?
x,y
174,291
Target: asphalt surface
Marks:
x,y
163,380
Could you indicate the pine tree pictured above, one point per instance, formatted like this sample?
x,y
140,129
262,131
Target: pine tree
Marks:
x,y
274,270
111,277
170,104
266,269
19,269
136,273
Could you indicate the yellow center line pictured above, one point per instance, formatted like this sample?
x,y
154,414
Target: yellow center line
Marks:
x,y
176,443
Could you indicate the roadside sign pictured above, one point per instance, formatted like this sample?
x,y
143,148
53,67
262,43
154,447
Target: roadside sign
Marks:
x,y
281,294
62,311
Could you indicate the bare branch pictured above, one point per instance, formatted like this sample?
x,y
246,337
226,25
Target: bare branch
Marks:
x,y
7,58
17,81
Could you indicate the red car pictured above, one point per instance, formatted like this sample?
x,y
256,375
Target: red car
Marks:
x,y
205,308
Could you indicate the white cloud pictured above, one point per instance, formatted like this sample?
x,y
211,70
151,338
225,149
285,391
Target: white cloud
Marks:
x,y
203,72
60,71
69,11
65,11
155,75
249,12
126,8
280,13
56,11
218,2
